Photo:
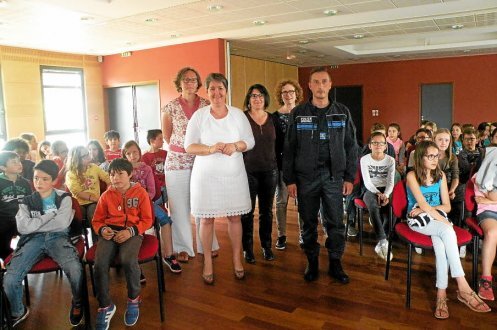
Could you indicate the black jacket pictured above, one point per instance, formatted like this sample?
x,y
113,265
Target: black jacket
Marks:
x,y
301,152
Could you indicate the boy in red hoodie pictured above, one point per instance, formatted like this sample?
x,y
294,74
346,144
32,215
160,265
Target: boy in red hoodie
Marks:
x,y
122,215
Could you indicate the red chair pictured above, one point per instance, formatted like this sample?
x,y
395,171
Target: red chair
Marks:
x,y
47,264
150,250
474,227
412,238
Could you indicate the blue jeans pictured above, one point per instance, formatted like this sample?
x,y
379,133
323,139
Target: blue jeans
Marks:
x,y
161,214
446,250
58,247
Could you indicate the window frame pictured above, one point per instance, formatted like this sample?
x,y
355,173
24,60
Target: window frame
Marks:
x,y
80,71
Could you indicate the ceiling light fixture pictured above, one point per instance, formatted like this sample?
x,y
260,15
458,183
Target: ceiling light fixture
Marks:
x,y
330,12
457,26
151,20
258,22
290,57
358,36
303,42
214,7
466,51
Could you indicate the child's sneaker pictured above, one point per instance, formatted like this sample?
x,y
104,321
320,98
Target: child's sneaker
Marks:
x,y
352,231
172,263
76,315
132,312
281,243
19,319
104,315
379,251
485,290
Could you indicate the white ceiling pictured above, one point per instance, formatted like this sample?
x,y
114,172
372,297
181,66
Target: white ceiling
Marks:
x,y
296,31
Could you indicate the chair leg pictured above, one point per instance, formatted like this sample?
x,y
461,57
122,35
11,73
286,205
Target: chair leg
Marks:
x,y
86,300
92,280
408,290
160,287
476,241
26,291
361,227
346,227
387,267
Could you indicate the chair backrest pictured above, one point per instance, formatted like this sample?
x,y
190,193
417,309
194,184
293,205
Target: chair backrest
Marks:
x,y
76,228
399,200
103,187
469,197
358,175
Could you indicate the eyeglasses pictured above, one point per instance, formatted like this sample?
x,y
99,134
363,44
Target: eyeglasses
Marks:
x,y
288,92
432,157
256,96
189,80
377,143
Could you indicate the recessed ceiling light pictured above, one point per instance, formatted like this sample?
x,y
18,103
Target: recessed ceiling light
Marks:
x,y
87,18
259,22
214,7
358,36
290,57
151,20
330,12
457,26
303,42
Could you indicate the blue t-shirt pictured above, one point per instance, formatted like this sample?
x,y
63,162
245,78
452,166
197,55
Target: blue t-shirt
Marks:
x,y
49,203
430,193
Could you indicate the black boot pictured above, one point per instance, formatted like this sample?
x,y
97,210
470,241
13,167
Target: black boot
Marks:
x,y
312,270
336,271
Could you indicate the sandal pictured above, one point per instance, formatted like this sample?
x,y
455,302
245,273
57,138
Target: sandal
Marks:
x,y
442,310
239,274
473,302
208,279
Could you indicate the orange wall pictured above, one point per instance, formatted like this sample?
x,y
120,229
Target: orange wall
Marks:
x,y
394,88
162,64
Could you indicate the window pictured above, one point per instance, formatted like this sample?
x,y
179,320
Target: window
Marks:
x,y
3,130
64,105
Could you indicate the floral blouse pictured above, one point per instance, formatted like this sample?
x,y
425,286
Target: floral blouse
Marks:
x,y
179,160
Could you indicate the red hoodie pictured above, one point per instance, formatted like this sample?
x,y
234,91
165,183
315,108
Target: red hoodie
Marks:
x,y
131,210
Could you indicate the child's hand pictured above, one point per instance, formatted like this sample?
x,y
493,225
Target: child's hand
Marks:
x,y
415,212
122,236
107,233
452,194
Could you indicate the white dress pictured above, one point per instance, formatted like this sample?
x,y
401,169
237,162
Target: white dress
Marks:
x,y
219,184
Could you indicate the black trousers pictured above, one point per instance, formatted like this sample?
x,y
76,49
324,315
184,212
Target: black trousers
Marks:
x,y
263,186
328,192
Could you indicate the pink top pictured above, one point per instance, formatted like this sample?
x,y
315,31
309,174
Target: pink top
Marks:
x,y
396,145
177,159
480,208
143,174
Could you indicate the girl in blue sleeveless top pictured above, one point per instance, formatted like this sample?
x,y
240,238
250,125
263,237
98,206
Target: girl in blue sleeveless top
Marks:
x,y
428,205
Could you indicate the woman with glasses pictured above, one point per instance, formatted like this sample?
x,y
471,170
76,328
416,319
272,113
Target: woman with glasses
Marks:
x,y
178,165
288,93
217,135
262,172
378,172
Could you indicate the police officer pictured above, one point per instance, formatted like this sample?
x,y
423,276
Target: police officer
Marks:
x,y
319,164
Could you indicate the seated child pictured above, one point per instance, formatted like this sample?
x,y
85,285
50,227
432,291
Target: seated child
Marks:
x,y
59,153
143,174
378,172
112,140
21,147
123,214
44,151
43,221
30,138
486,177
13,188
83,181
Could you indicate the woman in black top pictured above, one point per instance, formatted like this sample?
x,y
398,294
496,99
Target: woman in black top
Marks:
x,y
262,172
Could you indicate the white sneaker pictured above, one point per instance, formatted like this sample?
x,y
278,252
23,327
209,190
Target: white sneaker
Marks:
x,y
381,250
462,252
384,248
418,250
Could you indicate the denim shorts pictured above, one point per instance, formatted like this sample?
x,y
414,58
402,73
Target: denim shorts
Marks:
x,y
162,215
486,215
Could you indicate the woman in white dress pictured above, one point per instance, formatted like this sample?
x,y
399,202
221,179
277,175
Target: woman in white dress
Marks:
x,y
217,135
178,165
